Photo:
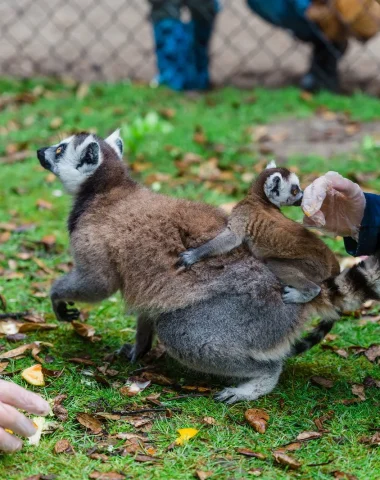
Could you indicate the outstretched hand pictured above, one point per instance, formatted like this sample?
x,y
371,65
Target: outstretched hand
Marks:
x,y
13,397
334,204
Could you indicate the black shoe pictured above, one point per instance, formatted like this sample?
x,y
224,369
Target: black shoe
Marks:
x,y
323,73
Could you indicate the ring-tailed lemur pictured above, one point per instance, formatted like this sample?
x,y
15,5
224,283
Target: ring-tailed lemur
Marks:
x,y
224,316
294,254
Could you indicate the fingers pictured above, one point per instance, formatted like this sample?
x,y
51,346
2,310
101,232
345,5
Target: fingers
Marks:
x,y
314,196
9,443
12,419
317,220
18,397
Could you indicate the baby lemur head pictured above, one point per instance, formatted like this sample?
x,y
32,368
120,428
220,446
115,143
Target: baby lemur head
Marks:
x,y
279,186
76,158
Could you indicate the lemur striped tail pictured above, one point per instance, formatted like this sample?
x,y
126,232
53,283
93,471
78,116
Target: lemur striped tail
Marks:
x,y
346,292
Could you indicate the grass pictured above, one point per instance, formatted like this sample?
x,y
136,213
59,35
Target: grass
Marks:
x,y
224,118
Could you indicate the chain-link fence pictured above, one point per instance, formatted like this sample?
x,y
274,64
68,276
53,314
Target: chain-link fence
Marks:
x,y
112,40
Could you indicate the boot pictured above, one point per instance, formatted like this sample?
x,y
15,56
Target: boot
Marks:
x,y
202,34
323,73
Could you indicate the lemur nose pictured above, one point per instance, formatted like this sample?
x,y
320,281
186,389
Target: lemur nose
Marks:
x,y
41,157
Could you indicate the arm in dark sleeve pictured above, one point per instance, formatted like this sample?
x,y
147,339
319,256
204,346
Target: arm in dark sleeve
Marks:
x,y
369,234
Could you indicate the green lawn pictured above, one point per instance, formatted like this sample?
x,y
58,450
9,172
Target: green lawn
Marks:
x,y
160,128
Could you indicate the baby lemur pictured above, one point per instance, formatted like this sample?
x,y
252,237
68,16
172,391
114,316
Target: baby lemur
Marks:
x,y
294,254
225,315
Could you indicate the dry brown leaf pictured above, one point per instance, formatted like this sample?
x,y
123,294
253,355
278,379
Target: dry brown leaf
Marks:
x,y
106,475
108,416
322,382
99,456
83,361
256,472
90,422
167,113
303,436
209,420
34,375
209,170
157,378
202,475
129,436
33,327
34,318
9,328
358,390
15,352
372,352
291,447
343,476
83,329
145,458
49,241
63,446
140,422
56,123
59,410
287,460
249,453
3,366
372,441
257,418
16,337
371,382
134,388
43,204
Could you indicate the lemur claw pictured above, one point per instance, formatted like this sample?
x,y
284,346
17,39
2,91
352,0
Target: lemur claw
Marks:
x,y
65,314
186,258
128,351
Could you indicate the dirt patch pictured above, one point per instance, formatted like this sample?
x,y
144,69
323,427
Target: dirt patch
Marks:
x,y
325,135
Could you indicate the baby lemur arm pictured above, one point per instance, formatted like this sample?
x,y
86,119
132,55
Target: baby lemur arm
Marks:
x,y
231,237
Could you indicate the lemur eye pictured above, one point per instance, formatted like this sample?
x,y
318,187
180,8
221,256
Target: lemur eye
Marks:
x,y
295,191
58,151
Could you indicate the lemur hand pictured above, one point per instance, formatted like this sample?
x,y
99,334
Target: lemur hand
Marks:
x,y
13,397
187,258
335,204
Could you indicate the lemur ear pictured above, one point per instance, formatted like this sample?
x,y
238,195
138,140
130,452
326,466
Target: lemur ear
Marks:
x,y
272,187
115,141
90,155
271,164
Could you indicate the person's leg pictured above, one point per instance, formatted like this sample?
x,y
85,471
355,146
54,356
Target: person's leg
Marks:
x,y
203,13
323,72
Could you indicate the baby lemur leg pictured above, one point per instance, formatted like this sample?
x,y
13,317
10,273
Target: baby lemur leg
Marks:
x,y
226,241
298,288
78,286
144,338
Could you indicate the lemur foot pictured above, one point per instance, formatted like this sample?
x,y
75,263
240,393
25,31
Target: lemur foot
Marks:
x,y
128,352
187,258
292,295
65,314
232,395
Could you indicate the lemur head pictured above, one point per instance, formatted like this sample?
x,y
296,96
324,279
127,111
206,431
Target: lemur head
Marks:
x,y
77,157
280,186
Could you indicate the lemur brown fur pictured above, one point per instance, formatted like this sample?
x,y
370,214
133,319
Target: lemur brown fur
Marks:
x,y
294,254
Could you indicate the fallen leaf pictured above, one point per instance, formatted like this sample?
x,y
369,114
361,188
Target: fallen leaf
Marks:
x,y
372,352
257,418
371,382
33,327
256,472
372,441
3,366
43,204
17,351
134,388
56,123
343,476
201,475
143,423
34,318
358,390
157,379
49,241
63,446
145,458
129,436
249,453
322,382
106,475
291,447
34,375
59,410
99,456
287,460
90,422
108,416
209,420
83,361
39,423
83,329
9,328
185,434
167,113
16,337
308,436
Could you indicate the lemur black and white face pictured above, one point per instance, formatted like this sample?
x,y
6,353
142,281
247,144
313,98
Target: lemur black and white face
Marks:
x,y
282,187
76,158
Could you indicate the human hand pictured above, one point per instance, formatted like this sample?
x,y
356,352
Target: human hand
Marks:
x,y
335,204
12,397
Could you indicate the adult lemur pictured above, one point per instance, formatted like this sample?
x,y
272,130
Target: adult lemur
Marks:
x,y
224,316
294,254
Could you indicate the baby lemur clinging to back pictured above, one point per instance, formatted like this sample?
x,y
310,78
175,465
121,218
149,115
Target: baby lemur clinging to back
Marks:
x,y
295,255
